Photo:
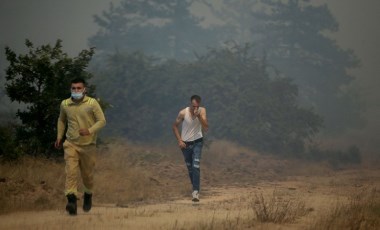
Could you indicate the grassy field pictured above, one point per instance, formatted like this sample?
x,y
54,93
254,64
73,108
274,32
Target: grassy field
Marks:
x,y
146,187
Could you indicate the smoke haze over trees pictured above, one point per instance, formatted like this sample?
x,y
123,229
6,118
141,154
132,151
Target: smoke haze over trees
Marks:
x,y
290,34
244,104
149,57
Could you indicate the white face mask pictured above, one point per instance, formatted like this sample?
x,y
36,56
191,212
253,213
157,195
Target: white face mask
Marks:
x,y
77,95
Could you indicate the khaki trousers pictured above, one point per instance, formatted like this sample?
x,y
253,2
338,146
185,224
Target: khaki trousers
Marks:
x,y
83,158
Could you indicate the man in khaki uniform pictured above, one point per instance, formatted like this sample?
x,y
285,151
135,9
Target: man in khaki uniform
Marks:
x,y
84,118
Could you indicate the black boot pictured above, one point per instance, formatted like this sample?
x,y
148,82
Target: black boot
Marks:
x,y
87,202
71,206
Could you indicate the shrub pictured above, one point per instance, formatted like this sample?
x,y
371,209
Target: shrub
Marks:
x,y
276,210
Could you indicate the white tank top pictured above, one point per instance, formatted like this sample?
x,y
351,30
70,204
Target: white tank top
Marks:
x,y
191,128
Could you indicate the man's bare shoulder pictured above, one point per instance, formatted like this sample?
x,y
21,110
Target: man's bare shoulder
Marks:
x,y
180,117
181,113
202,110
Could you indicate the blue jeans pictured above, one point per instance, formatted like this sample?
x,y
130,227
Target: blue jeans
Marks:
x,y
192,154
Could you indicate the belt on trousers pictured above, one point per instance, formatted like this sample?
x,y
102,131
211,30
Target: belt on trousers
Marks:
x,y
194,141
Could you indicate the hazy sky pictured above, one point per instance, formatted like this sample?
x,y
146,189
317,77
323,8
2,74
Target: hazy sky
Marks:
x,y
359,30
44,21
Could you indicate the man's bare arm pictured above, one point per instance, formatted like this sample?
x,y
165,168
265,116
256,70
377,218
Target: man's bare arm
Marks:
x,y
203,119
178,120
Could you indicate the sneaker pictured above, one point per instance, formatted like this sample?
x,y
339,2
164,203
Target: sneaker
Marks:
x,y
195,196
87,202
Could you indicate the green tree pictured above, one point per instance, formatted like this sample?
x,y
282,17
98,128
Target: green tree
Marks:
x,y
40,79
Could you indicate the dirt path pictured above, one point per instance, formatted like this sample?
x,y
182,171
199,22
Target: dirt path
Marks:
x,y
108,216
228,207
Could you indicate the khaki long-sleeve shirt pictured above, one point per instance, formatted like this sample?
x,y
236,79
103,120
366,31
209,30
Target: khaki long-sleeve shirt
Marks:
x,y
86,114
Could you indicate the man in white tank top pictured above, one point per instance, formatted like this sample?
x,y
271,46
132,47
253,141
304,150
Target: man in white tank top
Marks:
x,y
194,123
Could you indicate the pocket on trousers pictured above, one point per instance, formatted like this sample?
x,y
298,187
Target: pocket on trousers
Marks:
x,y
64,145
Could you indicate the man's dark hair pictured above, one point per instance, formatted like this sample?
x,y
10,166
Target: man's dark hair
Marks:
x,y
78,80
196,98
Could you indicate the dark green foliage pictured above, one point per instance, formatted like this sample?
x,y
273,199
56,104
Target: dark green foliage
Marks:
x,y
9,150
243,103
41,80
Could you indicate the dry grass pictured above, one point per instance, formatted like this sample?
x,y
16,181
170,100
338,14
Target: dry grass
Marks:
x,y
223,224
264,210
278,209
362,211
151,182
125,173
31,184
128,173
